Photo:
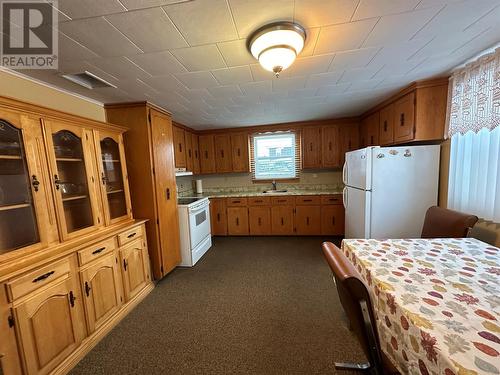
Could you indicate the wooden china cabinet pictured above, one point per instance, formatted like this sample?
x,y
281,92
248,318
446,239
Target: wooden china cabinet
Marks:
x,y
73,260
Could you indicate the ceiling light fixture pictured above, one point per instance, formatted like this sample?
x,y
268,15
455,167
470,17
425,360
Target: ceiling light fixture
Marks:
x,y
277,45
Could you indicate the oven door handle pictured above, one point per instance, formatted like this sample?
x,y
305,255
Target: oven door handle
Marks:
x,y
197,210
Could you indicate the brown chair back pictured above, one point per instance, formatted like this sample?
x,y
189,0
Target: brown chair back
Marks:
x,y
443,223
356,302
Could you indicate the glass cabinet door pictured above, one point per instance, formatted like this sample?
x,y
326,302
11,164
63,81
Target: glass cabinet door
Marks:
x,y
18,223
72,173
113,183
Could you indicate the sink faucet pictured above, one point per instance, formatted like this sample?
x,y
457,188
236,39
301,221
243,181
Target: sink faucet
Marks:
x,y
273,184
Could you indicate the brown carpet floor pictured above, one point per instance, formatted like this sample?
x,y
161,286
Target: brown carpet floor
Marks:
x,y
250,306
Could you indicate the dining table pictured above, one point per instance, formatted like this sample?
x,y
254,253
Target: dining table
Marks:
x,y
436,302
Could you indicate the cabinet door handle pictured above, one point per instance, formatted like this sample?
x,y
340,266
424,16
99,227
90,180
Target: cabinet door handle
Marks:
x,y
131,235
236,202
282,221
206,154
125,264
189,153
307,200
196,154
281,200
100,250
72,298
260,221
385,125
43,277
221,153
168,194
402,119
333,220
330,146
237,221
310,146
180,147
307,220
57,181
87,289
35,183
218,216
239,152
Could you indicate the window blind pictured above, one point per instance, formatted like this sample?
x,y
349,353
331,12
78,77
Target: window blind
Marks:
x,y
260,174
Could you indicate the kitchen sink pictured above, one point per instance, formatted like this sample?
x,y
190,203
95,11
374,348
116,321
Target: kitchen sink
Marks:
x,y
274,191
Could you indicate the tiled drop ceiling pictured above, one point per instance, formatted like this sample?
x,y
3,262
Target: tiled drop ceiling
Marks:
x,y
190,57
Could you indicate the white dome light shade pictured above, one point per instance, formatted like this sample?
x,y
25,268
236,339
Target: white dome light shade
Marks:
x,y
277,56
277,45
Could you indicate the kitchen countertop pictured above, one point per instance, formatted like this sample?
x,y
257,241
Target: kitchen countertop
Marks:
x,y
240,194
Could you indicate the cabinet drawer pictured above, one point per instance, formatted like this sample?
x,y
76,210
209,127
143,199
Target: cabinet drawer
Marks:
x,y
331,199
41,276
97,250
259,201
236,202
308,200
130,235
282,201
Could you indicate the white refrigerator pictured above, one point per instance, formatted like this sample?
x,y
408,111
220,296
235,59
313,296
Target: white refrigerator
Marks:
x,y
388,190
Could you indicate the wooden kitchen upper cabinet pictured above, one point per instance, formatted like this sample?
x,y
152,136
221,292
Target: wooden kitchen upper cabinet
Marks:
x,y
404,124
101,289
311,147
223,153
50,324
259,218
179,147
237,221
372,129
218,216
113,179
207,154
27,215
133,257
332,219
331,146
349,139
240,149
282,220
189,150
387,125
196,153
149,148
75,177
307,220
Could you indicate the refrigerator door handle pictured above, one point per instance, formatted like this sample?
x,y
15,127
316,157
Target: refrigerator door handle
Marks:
x,y
344,173
344,197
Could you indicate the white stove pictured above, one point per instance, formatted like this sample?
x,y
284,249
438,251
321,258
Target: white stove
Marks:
x,y
194,224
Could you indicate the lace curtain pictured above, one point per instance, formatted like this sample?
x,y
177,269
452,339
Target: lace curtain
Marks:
x,y
474,116
475,96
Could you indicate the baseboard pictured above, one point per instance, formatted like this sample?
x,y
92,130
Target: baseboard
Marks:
x,y
91,341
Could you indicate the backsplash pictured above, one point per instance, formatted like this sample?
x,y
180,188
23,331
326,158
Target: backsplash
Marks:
x,y
314,181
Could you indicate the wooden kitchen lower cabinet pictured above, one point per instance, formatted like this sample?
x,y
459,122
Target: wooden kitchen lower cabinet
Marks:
x,y
237,221
282,220
307,220
259,219
135,268
9,356
50,324
332,220
101,289
218,216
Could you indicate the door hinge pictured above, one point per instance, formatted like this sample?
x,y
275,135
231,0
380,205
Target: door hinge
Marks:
x,y
161,269
11,321
121,299
153,171
87,137
157,221
98,220
149,117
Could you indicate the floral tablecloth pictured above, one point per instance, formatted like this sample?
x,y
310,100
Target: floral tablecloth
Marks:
x,y
437,302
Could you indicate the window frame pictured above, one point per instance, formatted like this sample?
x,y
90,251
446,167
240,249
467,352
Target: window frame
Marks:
x,y
297,156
